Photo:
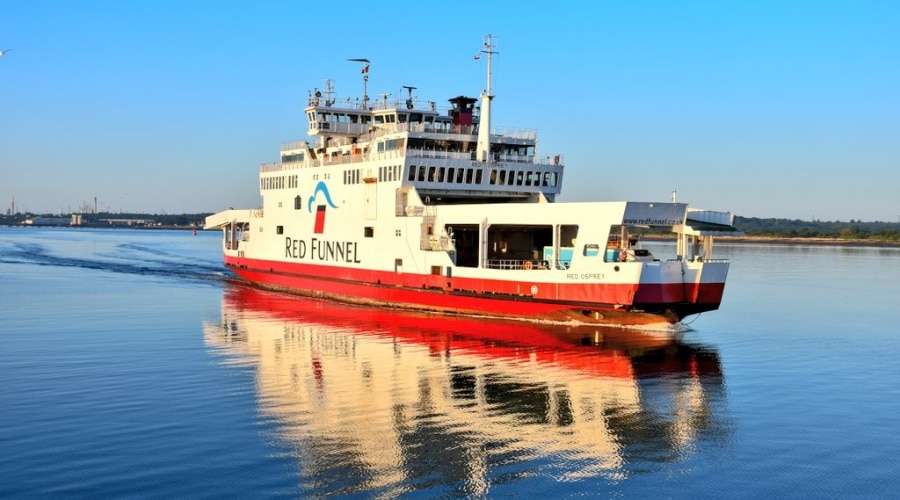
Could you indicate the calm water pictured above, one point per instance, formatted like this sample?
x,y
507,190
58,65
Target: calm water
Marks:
x,y
131,366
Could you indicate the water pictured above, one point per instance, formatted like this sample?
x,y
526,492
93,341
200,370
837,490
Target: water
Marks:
x,y
130,365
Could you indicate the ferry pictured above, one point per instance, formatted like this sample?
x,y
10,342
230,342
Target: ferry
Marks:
x,y
403,204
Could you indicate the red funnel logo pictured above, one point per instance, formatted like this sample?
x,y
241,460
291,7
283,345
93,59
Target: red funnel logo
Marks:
x,y
319,227
320,220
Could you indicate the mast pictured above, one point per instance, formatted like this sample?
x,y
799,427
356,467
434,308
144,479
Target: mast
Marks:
x,y
365,79
483,148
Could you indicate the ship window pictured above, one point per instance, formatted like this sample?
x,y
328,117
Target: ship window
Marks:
x,y
528,177
279,229
450,174
469,173
591,250
412,173
390,118
441,173
478,176
380,147
460,172
493,179
555,179
402,117
298,203
368,232
502,179
421,173
520,176
431,174
546,178
379,119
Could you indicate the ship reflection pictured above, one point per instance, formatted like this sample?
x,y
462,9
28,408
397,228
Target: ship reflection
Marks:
x,y
374,400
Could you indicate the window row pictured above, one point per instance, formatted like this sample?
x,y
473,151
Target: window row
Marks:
x,y
351,176
503,177
278,182
387,174
292,157
454,175
390,145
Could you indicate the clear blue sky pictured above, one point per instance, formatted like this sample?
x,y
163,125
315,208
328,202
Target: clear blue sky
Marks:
x,y
768,108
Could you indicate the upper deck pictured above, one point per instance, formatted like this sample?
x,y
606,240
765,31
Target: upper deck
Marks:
x,y
448,154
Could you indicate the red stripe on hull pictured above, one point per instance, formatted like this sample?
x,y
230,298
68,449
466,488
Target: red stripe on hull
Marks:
x,y
473,295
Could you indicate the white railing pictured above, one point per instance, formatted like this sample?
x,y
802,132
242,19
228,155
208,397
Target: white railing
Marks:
x,y
290,146
339,128
522,134
517,264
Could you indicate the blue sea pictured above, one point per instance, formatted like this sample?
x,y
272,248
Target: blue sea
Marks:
x,y
131,364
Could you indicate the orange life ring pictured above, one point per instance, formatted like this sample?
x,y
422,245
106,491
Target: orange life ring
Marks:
x,y
528,265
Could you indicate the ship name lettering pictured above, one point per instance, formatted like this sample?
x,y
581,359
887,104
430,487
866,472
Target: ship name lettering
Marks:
x,y
322,250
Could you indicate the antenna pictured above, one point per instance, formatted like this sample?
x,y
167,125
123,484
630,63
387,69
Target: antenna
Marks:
x,y
384,98
329,92
409,99
674,193
488,49
365,78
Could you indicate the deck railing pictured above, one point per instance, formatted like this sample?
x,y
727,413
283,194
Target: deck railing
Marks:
x,y
517,264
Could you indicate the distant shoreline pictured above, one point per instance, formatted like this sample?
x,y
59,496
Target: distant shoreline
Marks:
x,y
785,241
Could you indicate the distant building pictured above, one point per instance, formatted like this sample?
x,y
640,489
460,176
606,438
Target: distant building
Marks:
x,y
76,220
47,221
129,222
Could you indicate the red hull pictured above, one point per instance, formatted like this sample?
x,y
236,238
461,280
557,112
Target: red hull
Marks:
x,y
603,303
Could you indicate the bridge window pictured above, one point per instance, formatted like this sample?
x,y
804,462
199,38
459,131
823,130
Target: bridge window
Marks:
x,y
412,173
460,172
478,176
520,177
432,174
469,173
528,176
493,179
441,173
450,174
421,173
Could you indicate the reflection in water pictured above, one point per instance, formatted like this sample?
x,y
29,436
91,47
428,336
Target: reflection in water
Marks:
x,y
373,400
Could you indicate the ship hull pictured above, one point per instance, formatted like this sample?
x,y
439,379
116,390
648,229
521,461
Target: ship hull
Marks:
x,y
609,304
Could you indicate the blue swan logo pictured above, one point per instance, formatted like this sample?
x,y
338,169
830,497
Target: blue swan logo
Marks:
x,y
320,188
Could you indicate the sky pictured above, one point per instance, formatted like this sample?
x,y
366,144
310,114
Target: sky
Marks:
x,y
765,108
